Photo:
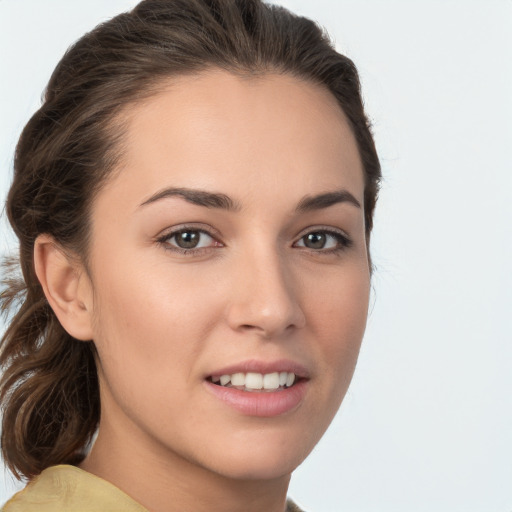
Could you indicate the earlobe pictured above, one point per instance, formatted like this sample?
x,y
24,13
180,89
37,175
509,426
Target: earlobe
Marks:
x,y
66,287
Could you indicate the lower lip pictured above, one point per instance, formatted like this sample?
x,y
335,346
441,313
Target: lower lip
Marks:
x,y
260,403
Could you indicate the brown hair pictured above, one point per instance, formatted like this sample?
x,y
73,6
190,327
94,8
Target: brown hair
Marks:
x,y
49,388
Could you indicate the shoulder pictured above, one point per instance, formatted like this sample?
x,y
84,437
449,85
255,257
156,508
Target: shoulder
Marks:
x,y
292,507
68,488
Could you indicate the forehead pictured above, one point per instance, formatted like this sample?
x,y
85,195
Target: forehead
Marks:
x,y
217,130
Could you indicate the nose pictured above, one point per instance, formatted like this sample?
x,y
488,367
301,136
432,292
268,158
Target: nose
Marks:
x,y
264,296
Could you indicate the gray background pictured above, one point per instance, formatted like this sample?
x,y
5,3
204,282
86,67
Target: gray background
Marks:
x,y
427,422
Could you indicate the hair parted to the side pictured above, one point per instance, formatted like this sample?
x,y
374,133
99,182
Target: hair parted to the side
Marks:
x,y
49,390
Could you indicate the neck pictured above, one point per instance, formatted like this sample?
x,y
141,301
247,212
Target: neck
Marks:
x,y
162,480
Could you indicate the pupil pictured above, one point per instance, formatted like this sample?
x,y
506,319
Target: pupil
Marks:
x,y
315,240
187,239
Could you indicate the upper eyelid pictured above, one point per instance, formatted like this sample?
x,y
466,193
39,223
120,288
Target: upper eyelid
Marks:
x,y
320,228
202,228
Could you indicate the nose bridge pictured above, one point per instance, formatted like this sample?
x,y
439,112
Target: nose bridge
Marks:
x,y
265,292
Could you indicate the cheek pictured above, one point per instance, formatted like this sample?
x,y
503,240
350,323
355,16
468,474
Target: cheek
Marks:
x,y
338,317
152,322
150,331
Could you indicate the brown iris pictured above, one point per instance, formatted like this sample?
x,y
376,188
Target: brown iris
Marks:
x,y
315,240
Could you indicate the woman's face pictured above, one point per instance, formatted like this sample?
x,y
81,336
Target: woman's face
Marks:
x,y
231,241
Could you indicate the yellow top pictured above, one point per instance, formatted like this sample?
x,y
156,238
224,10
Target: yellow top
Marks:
x,y
70,489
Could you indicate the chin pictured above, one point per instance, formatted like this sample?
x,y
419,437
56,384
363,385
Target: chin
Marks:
x,y
258,468
264,457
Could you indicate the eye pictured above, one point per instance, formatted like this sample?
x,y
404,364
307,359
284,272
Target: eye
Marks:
x,y
188,240
324,240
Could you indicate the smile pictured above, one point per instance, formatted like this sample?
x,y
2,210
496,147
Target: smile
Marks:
x,y
252,381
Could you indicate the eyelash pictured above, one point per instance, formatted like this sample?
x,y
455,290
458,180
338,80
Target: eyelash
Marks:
x,y
343,242
165,241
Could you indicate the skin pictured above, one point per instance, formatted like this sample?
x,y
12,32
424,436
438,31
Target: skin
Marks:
x,y
162,321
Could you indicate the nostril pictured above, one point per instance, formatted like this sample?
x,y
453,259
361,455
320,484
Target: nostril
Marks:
x,y
268,312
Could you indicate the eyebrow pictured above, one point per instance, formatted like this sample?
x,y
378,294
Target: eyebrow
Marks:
x,y
320,201
224,202
198,197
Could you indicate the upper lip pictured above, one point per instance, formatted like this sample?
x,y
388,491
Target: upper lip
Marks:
x,y
263,367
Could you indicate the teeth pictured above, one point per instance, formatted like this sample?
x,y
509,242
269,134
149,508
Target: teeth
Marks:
x,y
238,379
256,381
271,380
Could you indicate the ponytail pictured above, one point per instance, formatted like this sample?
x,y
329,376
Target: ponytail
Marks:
x,y
49,387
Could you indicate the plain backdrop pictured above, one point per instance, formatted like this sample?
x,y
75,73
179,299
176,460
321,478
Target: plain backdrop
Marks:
x,y
427,422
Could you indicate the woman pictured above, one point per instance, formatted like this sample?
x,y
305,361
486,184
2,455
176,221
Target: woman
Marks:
x,y
194,202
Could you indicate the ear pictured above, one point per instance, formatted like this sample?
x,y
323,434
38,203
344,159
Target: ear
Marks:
x,y
66,285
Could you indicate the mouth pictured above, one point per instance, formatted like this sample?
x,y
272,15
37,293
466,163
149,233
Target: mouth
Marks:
x,y
260,388
256,382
